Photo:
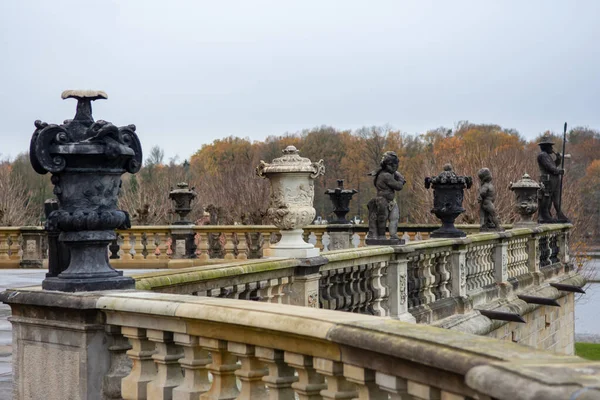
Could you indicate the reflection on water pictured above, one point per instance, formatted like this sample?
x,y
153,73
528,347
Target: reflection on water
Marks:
x,y
587,306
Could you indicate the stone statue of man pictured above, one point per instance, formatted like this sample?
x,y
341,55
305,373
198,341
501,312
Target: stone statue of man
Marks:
x,y
550,178
488,218
383,207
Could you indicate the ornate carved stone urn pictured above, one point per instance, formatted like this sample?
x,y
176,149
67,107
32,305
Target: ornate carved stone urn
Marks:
x,y
182,197
447,200
291,207
86,160
526,193
340,198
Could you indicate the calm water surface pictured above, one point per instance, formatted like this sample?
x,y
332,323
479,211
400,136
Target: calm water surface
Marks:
x,y
587,306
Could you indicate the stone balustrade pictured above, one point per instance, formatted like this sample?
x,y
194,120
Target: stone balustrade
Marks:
x,y
144,345
425,280
152,246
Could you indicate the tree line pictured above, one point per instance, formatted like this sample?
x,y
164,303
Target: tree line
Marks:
x,y
223,174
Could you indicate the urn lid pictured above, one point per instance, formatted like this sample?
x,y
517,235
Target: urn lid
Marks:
x,y
291,162
449,177
182,189
524,183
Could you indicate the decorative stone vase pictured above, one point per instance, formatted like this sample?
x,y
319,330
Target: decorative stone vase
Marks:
x,y
291,207
447,200
526,193
340,198
86,160
182,197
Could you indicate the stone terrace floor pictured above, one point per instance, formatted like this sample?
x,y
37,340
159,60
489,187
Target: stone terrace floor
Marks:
x,y
13,278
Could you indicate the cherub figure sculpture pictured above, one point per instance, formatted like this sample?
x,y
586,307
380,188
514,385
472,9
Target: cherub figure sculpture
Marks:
x,y
487,195
383,207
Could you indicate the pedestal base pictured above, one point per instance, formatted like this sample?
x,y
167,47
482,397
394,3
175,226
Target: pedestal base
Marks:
x,y
292,245
384,242
447,233
88,285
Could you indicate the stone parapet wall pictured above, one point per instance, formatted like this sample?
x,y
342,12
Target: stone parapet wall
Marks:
x,y
163,346
546,328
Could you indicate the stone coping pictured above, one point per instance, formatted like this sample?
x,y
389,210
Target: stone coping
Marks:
x,y
484,361
216,271
152,280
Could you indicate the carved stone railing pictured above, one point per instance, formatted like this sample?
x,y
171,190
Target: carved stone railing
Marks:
x,y
425,280
152,247
142,345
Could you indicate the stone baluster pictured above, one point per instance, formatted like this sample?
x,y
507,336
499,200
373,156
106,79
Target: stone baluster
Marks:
x,y
242,246
337,385
563,247
203,246
365,382
120,364
4,246
378,303
166,358
420,391
442,269
163,246
194,362
13,240
362,236
152,245
306,235
251,372
223,367
412,236
425,235
229,247
395,386
126,247
319,239
426,278
134,386
310,383
266,238
138,246
280,377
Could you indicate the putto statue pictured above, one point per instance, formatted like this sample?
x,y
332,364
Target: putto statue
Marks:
x,y
550,179
488,218
384,208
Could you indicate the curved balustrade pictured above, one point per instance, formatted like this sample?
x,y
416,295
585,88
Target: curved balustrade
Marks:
x,y
163,346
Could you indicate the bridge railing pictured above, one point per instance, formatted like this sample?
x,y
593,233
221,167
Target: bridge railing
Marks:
x,y
152,246
138,345
427,280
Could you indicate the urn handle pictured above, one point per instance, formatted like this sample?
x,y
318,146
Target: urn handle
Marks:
x,y
318,168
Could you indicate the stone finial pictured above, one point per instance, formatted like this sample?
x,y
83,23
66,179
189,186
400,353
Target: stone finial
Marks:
x,y
84,94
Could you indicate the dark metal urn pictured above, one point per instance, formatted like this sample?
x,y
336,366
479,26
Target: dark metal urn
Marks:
x,y
182,197
447,200
86,160
340,198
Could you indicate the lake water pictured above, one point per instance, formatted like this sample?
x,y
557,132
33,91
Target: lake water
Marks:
x,y
587,306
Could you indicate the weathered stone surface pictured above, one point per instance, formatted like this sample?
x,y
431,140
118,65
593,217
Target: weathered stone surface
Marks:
x,y
291,208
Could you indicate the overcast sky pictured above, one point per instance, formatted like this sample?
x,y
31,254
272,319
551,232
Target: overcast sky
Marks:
x,y
189,72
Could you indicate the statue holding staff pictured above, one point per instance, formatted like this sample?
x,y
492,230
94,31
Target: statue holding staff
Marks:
x,y
551,179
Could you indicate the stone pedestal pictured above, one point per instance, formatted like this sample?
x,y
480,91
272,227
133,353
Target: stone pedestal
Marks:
x,y
183,243
291,245
59,345
32,247
340,236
